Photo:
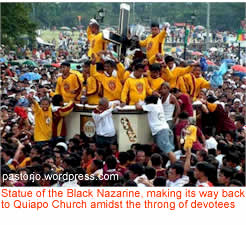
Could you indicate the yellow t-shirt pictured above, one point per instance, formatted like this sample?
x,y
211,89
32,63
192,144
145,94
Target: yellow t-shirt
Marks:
x,y
154,45
154,84
111,86
191,85
97,43
93,89
171,76
66,86
43,123
135,90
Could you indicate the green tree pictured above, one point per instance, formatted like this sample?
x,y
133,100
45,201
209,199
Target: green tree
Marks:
x,y
16,22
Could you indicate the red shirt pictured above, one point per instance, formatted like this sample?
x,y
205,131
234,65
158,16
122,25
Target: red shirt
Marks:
x,y
185,104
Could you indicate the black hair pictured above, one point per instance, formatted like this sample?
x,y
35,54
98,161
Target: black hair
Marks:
x,y
235,182
98,163
240,119
123,157
131,155
152,99
56,100
139,66
37,159
183,115
137,168
233,157
99,66
100,152
174,90
203,154
169,59
150,172
87,63
156,159
159,182
89,152
227,172
204,167
111,162
130,183
8,152
211,99
75,141
38,149
178,167
154,24
65,64
155,67
111,63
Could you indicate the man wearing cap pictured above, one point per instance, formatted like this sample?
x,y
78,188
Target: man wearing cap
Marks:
x,y
68,85
95,37
154,43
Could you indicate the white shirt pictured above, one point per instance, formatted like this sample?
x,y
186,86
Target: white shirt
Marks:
x,y
179,182
104,123
156,117
211,143
168,108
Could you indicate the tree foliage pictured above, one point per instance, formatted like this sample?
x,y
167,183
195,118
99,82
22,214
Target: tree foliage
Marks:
x,y
224,16
16,22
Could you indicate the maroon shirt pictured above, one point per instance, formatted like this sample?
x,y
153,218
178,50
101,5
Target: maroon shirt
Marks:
x,y
185,104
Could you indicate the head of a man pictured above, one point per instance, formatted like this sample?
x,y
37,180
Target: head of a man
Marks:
x,y
176,171
164,89
45,103
94,28
155,30
65,68
138,70
109,66
155,70
197,71
103,104
169,61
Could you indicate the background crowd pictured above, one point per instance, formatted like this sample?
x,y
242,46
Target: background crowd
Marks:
x,y
216,156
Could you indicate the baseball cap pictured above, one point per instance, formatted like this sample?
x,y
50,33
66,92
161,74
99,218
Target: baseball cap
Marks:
x,y
62,144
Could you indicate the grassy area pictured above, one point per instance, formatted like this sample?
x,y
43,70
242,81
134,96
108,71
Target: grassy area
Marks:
x,y
48,35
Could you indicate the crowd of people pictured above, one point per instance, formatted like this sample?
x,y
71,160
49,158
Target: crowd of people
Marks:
x,y
197,123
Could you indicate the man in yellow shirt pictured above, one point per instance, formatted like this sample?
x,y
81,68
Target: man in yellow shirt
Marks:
x,y
173,73
43,120
154,43
136,87
154,79
68,85
91,86
110,79
95,37
192,83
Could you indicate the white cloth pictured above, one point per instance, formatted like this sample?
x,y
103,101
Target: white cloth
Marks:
x,y
168,108
219,158
179,182
104,123
137,180
156,117
211,143
203,184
